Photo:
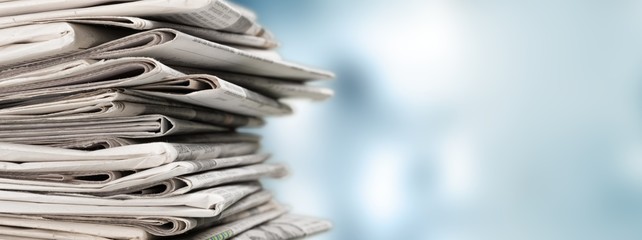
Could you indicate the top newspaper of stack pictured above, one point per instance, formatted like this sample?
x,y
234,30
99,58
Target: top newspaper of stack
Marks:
x,y
212,14
185,33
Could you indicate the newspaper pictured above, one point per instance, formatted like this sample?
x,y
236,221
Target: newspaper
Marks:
x,y
217,199
97,210
118,120
20,87
133,208
165,84
122,72
94,177
271,87
157,226
176,48
215,178
29,158
263,41
234,228
92,143
131,177
286,227
83,143
212,92
35,228
256,202
272,205
105,142
111,103
166,225
45,234
41,41
167,187
46,71
142,126
211,14
16,7
213,138
275,87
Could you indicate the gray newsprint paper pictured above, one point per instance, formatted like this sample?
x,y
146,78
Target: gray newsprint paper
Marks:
x,y
105,142
271,87
286,227
163,185
43,41
177,48
234,228
168,225
211,14
29,158
136,23
204,203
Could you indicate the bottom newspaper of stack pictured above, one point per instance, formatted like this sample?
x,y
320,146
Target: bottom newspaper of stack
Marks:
x,y
191,188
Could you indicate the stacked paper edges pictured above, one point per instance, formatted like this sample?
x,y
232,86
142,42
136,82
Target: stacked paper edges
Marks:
x,y
119,121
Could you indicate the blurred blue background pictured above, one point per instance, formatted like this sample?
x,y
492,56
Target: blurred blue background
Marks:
x,y
464,120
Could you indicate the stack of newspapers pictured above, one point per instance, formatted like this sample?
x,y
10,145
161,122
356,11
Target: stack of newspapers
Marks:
x,y
124,120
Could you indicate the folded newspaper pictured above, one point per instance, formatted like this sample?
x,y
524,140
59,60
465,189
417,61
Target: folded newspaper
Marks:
x,y
125,119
